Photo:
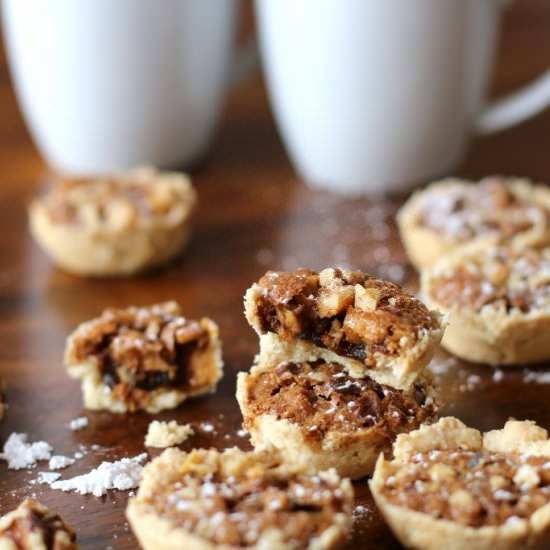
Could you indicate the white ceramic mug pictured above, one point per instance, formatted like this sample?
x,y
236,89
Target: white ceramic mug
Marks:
x,y
372,96
108,84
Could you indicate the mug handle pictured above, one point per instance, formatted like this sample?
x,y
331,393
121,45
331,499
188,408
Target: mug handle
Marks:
x,y
516,107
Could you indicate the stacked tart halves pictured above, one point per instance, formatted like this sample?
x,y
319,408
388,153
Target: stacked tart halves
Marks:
x,y
341,369
207,500
452,213
450,486
498,301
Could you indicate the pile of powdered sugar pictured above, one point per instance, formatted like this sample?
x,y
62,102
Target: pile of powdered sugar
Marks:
x,y
121,475
19,454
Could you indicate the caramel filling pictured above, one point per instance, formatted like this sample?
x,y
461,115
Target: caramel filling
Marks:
x,y
321,397
137,354
354,315
236,512
473,488
49,526
486,207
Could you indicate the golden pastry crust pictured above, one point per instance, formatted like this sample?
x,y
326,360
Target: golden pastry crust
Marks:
x,y
451,213
317,414
183,500
114,225
149,358
450,486
498,302
372,327
31,526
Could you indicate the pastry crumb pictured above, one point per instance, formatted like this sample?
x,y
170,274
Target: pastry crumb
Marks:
x,y
167,434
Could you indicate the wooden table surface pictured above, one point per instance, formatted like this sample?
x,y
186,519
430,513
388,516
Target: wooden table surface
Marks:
x,y
254,214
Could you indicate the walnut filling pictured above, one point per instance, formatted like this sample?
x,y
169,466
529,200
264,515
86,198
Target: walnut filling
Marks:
x,y
236,511
138,350
31,519
350,313
490,206
473,488
118,200
499,277
321,397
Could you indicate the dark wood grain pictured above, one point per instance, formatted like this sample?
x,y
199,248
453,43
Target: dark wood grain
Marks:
x,y
254,214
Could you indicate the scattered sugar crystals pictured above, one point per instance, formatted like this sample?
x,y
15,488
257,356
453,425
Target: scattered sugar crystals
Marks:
x,y
207,427
121,475
46,478
58,462
19,454
78,423
536,377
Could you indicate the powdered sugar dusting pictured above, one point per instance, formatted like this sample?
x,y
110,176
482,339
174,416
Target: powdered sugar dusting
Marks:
x,y
121,475
19,454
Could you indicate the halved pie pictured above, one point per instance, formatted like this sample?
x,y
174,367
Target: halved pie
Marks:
x,y
31,526
150,358
371,326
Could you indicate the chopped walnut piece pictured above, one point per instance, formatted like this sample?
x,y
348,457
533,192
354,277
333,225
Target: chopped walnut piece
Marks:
x,y
136,354
333,301
366,298
32,526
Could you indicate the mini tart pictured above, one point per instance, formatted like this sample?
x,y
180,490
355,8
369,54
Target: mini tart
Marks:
x,y
373,327
148,358
318,414
498,299
206,500
450,486
114,225
31,526
451,213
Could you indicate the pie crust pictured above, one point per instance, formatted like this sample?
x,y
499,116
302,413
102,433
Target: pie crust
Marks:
x,y
31,526
450,213
114,225
450,486
207,500
498,301
149,358
318,414
373,327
